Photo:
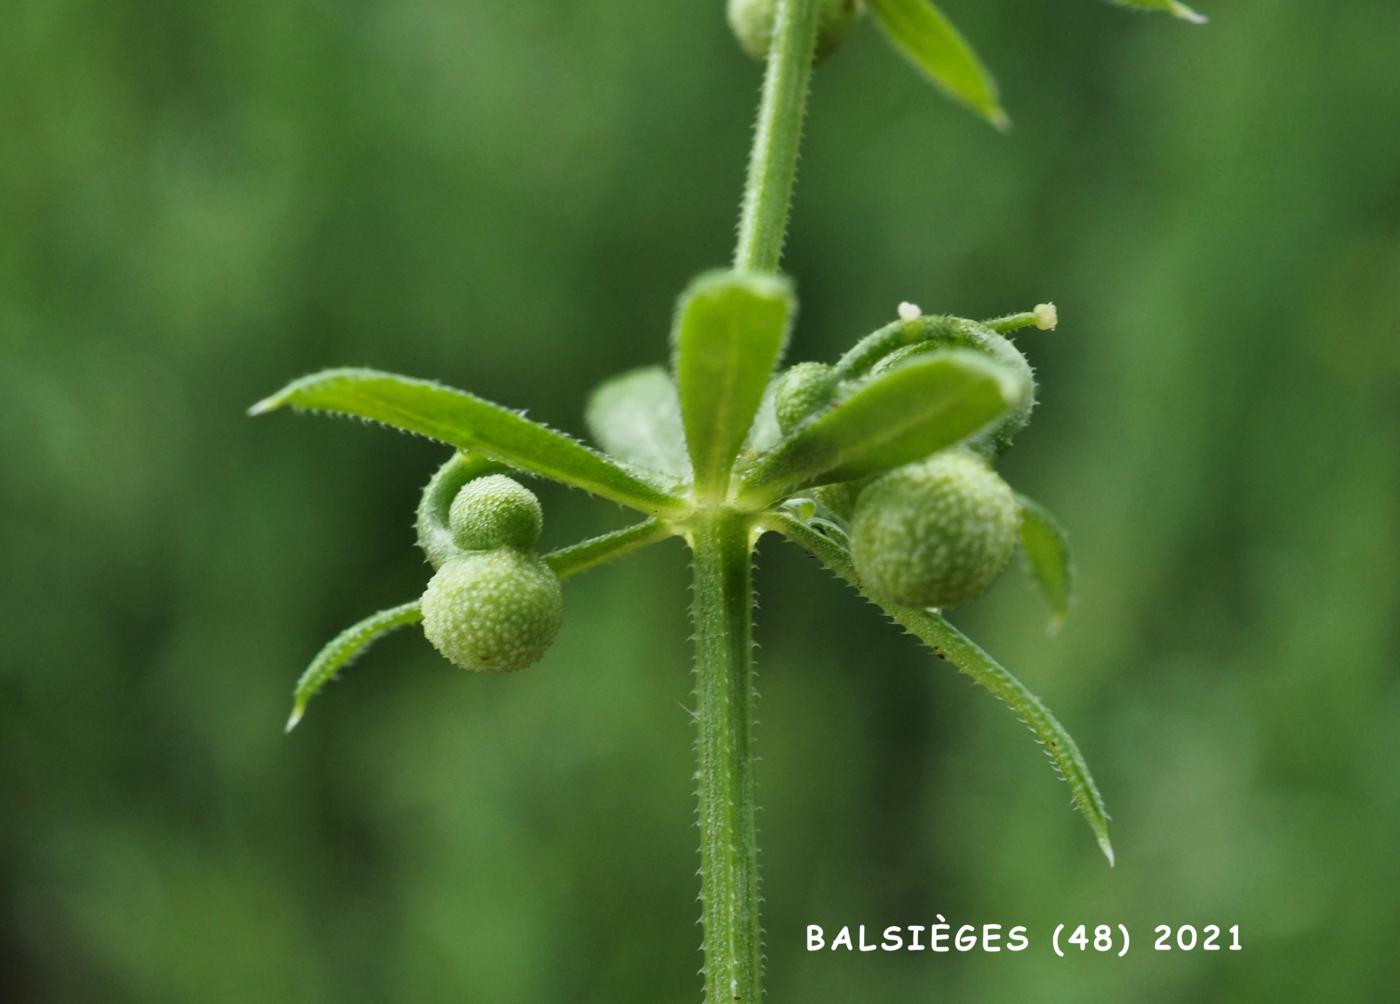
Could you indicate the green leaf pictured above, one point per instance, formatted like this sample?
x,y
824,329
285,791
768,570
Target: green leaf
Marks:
x,y
469,423
928,404
947,642
1170,6
344,649
729,334
637,418
1046,548
925,37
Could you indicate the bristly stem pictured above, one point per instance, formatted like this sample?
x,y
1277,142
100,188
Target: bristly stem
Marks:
x,y
773,158
570,561
722,605
724,692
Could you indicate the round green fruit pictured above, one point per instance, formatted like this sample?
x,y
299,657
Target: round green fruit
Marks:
x,y
493,610
495,511
935,533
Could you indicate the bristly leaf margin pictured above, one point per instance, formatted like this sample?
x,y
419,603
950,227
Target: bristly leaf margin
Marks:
x,y
468,422
972,661
344,649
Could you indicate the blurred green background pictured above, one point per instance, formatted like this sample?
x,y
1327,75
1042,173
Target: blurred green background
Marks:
x,y
200,200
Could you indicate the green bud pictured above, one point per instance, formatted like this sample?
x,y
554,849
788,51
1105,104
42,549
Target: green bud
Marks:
x,y
935,533
495,511
752,21
493,610
802,391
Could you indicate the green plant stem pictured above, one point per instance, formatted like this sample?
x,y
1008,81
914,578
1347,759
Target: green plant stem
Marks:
x,y
722,606
580,557
1012,322
773,158
724,693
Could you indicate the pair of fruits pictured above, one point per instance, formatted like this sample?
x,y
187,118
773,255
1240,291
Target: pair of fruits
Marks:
x,y
496,605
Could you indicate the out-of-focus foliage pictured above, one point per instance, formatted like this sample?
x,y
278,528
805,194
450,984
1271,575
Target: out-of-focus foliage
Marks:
x,y
198,201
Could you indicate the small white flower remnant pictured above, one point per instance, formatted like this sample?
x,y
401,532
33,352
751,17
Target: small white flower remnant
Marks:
x,y
1046,316
911,312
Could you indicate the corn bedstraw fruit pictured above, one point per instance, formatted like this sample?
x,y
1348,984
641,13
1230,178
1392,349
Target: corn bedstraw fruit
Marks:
x,y
935,533
495,511
493,610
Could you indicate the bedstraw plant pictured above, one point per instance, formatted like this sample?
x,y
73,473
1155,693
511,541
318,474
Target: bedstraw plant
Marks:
x,y
881,465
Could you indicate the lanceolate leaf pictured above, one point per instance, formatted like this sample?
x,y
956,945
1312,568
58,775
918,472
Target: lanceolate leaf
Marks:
x,y
928,404
469,423
729,334
1172,7
1047,554
951,644
637,418
925,37
343,649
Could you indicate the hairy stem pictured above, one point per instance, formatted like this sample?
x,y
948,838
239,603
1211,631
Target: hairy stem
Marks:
x,y
587,554
773,158
722,606
724,692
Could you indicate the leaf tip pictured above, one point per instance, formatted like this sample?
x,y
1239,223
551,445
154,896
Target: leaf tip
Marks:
x,y
997,116
1107,848
270,403
292,721
1187,14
